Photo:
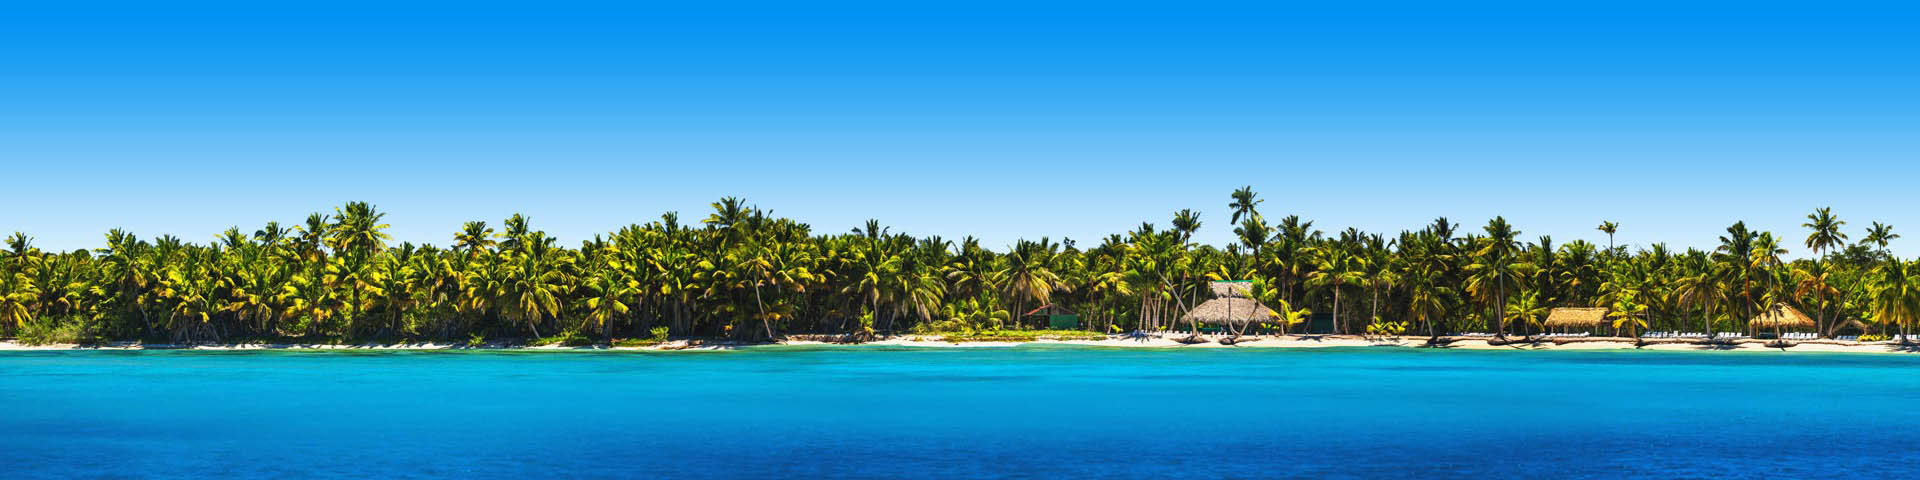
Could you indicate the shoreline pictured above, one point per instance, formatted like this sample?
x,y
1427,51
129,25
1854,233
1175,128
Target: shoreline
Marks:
x,y
1115,341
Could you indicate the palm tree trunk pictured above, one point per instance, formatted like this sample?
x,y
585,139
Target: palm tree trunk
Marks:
x,y
1337,326
763,311
1376,304
1500,303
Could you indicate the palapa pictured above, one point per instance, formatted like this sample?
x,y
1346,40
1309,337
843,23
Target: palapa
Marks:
x,y
1587,317
1229,310
1231,305
1231,289
1854,324
1782,316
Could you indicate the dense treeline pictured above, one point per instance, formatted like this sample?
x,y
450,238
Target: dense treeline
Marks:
x,y
744,274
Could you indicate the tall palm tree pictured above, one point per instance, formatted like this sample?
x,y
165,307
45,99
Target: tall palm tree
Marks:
x,y
1609,228
1030,273
1704,290
474,237
357,229
17,296
1495,264
1427,301
1186,221
1335,267
1896,295
1826,231
1879,235
1526,309
1737,249
608,298
1244,204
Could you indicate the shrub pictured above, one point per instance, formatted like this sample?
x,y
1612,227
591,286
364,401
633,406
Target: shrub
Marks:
x,y
1023,336
50,332
1380,328
659,337
569,338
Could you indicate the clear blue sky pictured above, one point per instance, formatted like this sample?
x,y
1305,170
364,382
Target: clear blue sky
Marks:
x,y
1001,119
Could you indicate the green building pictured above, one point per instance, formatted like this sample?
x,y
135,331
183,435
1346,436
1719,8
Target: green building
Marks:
x,y
1056,317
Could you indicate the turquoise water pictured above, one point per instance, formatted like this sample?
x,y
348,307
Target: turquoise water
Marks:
x,y
1029,412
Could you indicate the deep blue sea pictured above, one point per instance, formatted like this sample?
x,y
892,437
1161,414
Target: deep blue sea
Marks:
x,y
1026,412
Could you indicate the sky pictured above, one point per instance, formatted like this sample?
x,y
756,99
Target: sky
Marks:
x,y
1001,120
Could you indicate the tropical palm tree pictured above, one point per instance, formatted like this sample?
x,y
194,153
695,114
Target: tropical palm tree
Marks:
x,y
1826,230
1244,204
1029,274
1609,228
1879,235
1896,295
1526,309
747,273
1705,291
608,298
1495,265
1335,268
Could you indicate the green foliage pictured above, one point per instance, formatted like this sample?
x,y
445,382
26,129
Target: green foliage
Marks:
x,y
54,332
659,337
1022,336
1386,329
743,272
476,340
568,338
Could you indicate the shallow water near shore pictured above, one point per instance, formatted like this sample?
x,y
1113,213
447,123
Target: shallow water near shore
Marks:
x,y
1025,412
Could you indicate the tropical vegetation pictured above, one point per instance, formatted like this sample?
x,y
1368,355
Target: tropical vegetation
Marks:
x,y
742,273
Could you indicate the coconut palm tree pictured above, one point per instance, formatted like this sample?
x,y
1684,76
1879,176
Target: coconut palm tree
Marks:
x,y
608,297
1629,315
1879,235
1335,267
1031,274
357,229
1186,221
1826,232
1896,295
1244,204
746,272
1609,228
1704,290
1495,265
1738,252
17,296
473,238
1526,309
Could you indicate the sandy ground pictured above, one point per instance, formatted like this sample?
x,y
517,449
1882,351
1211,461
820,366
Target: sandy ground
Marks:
x,y
1164,341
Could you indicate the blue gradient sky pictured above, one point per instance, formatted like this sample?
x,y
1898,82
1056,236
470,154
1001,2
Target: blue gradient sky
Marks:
x,y
998,119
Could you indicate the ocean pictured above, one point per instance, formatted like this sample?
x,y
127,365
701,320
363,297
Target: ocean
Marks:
x,y
903,412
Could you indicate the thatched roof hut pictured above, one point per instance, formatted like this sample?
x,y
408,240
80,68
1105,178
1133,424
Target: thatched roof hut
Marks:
x,y
1229,310
1230,305
1782,316
1577,317
1240,289
1849,325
